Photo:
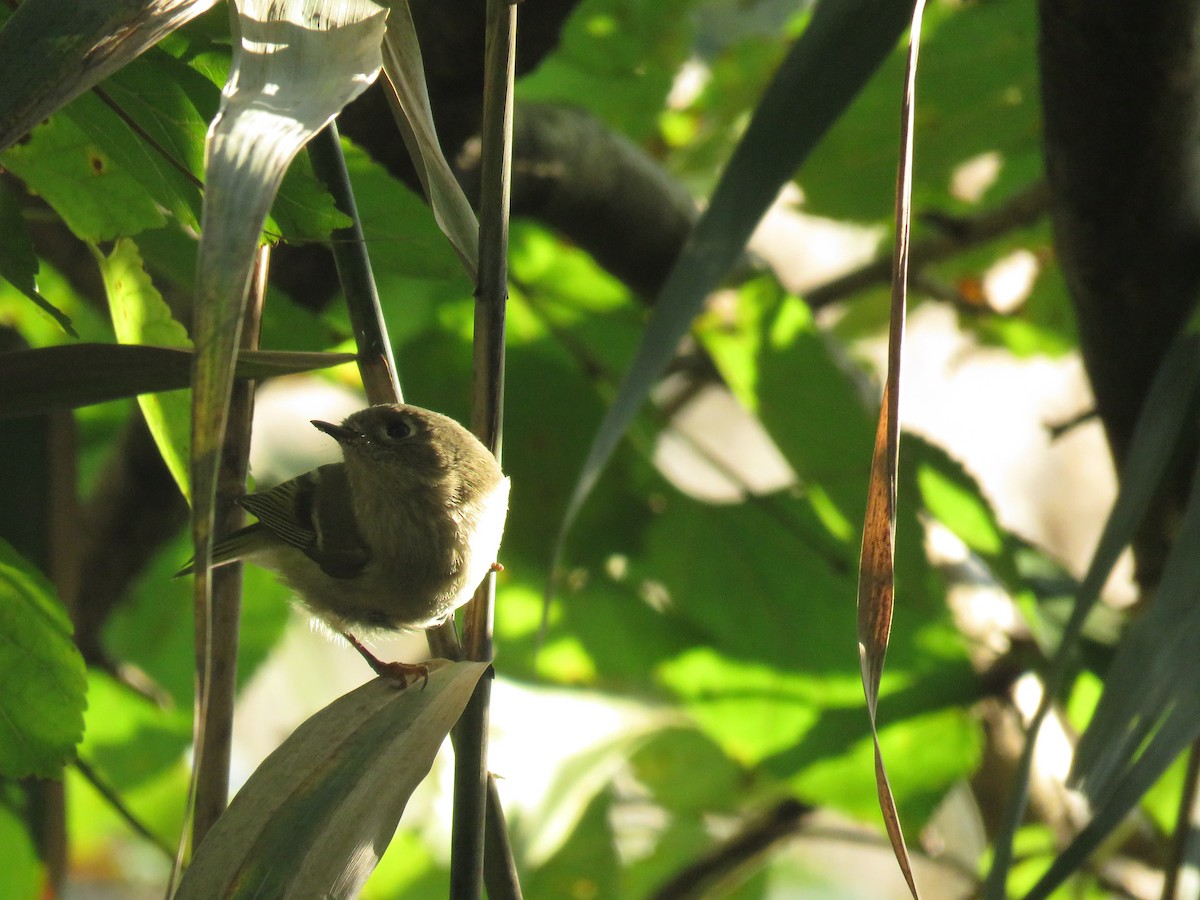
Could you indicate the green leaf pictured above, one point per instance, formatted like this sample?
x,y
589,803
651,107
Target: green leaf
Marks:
x,y
410,104
978,94
34,381
588,864
41,708
22,874
96,197
618,58
315,817
154,628
140,316
842,46
18,262
53,50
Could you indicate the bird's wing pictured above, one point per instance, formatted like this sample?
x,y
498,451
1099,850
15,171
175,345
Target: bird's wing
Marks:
x,y
314,513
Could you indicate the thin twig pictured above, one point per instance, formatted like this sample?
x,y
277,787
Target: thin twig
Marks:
x,y
145,136
1021,210
109,793
750,843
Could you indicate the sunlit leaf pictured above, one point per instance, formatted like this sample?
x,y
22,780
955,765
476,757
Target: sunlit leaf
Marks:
x,y
97,198
41,707
22,873
842,46
140,316
317,814
18,262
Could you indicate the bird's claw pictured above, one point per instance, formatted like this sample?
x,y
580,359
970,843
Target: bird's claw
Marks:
x,y
402,674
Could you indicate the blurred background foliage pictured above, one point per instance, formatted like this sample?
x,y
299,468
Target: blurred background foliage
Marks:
x,y
713,637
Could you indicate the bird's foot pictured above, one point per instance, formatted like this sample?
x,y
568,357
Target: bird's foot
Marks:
x,y
401,674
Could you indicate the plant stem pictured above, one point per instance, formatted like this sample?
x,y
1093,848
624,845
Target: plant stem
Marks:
x,y
491,296
220,679
375,361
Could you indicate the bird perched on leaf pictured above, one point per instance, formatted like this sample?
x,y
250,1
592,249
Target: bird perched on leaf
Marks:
x,y
396,537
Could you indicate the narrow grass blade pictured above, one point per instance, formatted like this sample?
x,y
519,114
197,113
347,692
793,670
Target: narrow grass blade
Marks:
x,y
1171,397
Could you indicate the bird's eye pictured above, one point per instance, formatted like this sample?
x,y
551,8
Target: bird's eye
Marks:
x,y
396,429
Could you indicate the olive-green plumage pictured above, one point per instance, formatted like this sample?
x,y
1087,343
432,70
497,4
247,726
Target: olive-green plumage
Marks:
x,y
397,536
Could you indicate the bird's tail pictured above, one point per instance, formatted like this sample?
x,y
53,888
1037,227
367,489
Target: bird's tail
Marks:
x,y
237,546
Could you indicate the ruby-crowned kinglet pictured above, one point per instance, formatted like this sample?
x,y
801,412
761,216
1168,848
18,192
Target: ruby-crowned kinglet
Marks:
x,y
396,537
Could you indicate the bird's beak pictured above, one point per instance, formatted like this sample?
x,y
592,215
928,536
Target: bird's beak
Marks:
x,y
339,433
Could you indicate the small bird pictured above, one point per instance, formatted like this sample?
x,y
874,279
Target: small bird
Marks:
x,y
396,537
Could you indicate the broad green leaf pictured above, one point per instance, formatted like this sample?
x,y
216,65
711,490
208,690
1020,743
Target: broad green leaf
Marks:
x,y
34,381
828,65
140,316
18,262
117,719
410,104
53,50
96,197
295,66
315,817
41,707
979,95
957,503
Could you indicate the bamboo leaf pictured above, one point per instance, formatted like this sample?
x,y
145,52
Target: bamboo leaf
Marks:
x,y
53,50
316,816
35,381
409,100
